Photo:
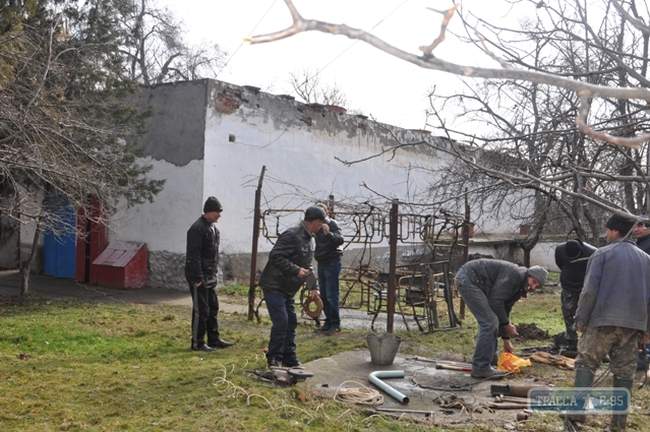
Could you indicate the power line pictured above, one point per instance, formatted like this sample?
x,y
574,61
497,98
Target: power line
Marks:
x,y
346,49
225,66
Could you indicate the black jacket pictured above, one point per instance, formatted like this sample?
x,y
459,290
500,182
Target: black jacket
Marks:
x,y
291,252
327,245
643,243
202,254
573,271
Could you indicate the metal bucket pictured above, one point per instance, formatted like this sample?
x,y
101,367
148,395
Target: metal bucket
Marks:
x,y
383,348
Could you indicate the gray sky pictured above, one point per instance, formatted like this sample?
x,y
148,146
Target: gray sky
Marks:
x,y
387,88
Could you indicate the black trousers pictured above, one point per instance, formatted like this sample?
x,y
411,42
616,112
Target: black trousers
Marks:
x,y
205,307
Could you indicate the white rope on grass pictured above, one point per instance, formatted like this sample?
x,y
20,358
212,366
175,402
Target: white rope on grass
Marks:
x,y
361,394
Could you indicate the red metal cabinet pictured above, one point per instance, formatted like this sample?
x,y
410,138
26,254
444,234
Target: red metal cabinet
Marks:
x,y
121,265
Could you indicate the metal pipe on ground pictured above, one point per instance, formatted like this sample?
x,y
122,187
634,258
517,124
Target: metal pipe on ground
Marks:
x,y
376,378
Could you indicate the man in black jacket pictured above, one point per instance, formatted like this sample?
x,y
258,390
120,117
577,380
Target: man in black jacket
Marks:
x,y
201,260
328,255
288,267
642,234
571,258
490,288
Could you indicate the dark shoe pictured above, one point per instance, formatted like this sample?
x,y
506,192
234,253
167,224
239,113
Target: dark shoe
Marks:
x,y
220,343
487,374
332,331
204,348
273,363
291,363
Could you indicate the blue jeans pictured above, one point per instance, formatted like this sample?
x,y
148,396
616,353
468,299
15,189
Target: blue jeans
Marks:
x,y
328,283
282,345
488,323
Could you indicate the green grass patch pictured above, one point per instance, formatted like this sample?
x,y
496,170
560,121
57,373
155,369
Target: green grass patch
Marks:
x,y
70,366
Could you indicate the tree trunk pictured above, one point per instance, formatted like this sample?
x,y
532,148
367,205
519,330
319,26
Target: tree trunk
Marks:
x,y
26,267
526,256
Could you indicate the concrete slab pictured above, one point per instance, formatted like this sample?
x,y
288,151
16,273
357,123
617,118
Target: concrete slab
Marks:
x,y
463,407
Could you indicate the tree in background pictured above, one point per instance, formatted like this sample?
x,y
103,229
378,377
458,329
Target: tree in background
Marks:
x,y
67,132
309,88
565,103
153,45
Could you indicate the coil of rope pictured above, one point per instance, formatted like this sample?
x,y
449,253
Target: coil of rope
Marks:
x,y
312,306
360,394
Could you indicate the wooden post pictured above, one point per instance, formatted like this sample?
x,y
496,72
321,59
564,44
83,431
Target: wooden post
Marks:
x,y
392,265
257,217
466,228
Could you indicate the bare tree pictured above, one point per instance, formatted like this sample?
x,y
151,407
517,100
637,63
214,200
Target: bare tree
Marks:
x,y
154,47
66,131
568,81
309,88
584,90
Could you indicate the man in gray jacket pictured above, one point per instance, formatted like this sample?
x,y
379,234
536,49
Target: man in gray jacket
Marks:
x,y
490,288
613,310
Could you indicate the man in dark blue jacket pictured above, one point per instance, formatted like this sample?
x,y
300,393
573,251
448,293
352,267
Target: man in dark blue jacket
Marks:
x,y
201,262
288,267
328,255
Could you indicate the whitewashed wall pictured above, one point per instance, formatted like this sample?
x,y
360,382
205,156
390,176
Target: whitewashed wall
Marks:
x,y
245,129
544,254
163,223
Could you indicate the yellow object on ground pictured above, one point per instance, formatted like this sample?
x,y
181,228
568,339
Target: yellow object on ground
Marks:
x,y
508,362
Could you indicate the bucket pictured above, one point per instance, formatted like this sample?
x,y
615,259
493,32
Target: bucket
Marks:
x,y
383,348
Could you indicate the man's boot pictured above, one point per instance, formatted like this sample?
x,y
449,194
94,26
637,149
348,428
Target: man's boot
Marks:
x,y
584,378
619,420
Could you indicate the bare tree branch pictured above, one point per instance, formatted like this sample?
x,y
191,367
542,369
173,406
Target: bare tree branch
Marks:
x,y
585,90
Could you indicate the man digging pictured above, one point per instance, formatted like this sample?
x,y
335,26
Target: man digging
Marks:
x,y
490,288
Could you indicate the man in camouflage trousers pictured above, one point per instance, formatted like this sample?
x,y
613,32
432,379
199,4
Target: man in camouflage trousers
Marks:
x,y
613,311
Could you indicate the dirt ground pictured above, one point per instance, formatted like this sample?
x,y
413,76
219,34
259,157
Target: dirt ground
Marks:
x,y
351,369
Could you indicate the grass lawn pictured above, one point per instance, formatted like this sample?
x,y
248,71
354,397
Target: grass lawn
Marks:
x,y
70,366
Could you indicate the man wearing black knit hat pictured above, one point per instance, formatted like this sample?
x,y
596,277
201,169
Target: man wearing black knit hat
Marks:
x,y
288,268
613,310
201,261
571,258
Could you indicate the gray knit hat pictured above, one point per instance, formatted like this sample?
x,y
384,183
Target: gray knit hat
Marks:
x,y
539,273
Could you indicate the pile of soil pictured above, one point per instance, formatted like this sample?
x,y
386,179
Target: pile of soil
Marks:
x,y
531,332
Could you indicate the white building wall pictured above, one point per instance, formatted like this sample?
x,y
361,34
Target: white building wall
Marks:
x,y
543,254
163,223
299,156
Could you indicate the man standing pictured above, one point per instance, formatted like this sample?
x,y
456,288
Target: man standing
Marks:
x,y
328,255
571,258
288,267
642,234
490,288
613,310
201,260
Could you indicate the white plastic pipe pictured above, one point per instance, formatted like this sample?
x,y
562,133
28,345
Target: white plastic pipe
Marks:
x,y
376,377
